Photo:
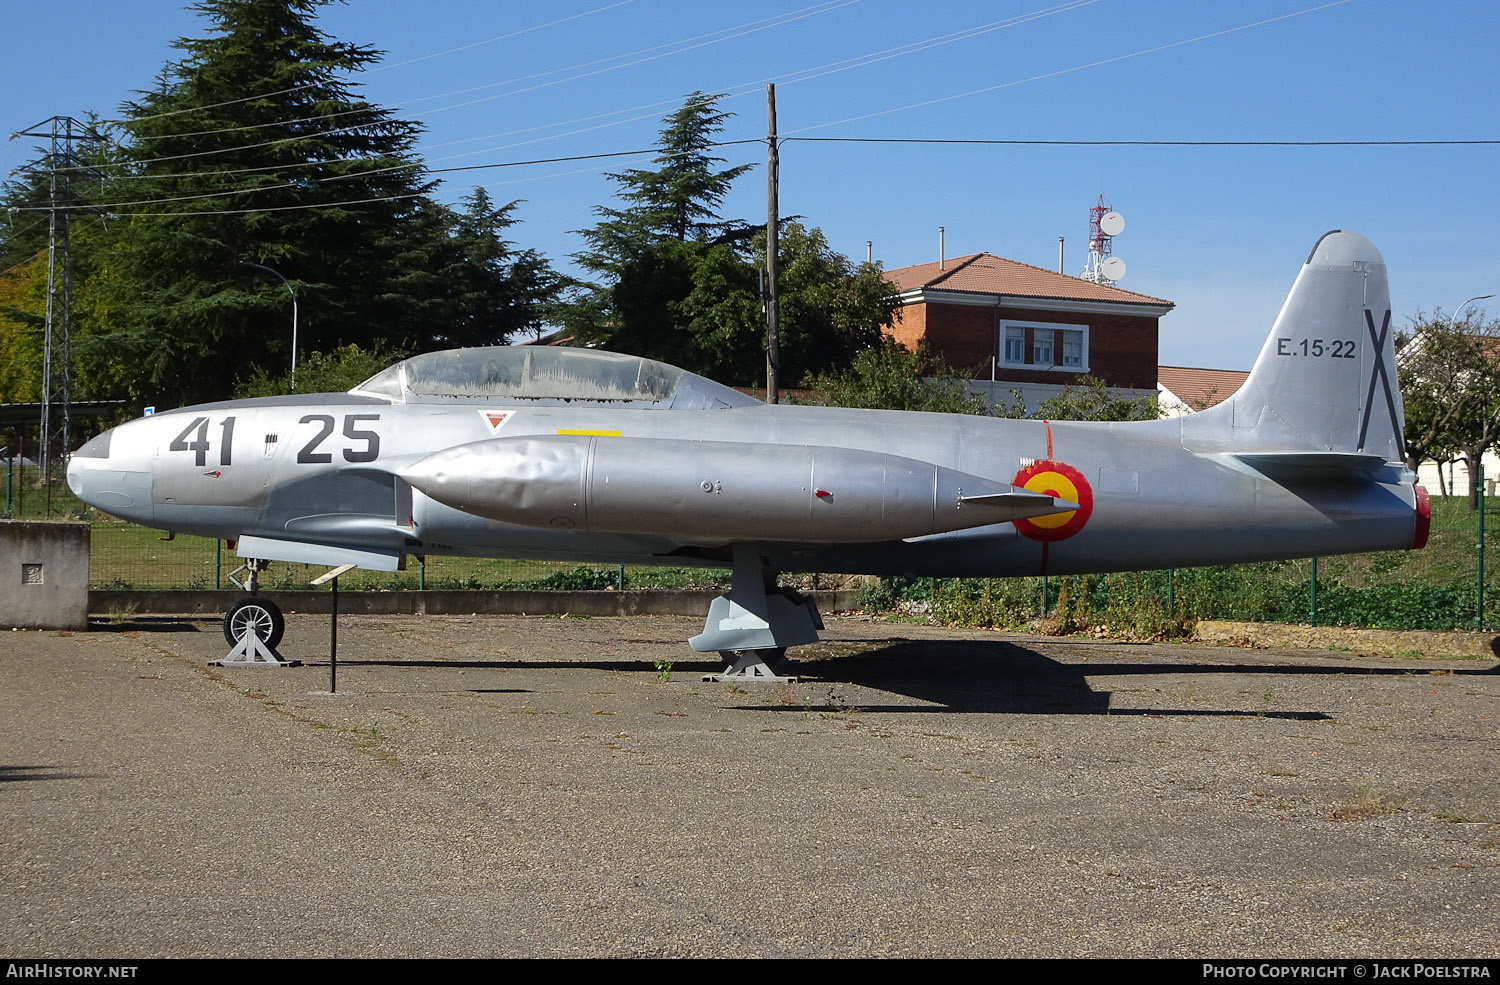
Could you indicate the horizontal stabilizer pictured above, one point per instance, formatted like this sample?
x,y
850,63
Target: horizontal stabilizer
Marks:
x,y
1018,504
1313,464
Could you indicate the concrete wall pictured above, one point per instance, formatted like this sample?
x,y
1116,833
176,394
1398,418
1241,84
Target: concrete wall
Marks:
x,y
44,575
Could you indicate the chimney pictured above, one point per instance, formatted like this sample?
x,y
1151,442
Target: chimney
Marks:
x,y
941,264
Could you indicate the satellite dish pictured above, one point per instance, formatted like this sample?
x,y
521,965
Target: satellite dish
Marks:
x,y
1111,224
1112,269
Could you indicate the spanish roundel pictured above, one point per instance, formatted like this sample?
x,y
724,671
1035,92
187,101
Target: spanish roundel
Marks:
x,y
1064,482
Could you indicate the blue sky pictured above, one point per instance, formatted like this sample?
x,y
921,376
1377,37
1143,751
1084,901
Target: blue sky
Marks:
x,y
1220,231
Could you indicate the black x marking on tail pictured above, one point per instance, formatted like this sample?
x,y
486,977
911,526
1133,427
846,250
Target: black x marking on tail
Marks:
x,y
1379,372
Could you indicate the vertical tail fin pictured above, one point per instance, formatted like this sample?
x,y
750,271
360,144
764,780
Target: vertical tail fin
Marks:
x,y
1325,380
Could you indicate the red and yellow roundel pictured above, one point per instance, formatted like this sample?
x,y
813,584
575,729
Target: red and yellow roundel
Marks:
x,y
1064,482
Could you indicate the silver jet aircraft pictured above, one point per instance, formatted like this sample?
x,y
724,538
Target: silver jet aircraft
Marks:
x,y
574,454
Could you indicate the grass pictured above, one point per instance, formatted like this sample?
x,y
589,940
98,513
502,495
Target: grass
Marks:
x,y
1366,803
1431,589
124,555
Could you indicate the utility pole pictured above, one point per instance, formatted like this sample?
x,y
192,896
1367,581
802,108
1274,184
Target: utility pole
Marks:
x,y
64,134
773,211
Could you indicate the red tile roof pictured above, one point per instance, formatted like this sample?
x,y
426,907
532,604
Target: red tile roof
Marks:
x,y
983,273
1200,388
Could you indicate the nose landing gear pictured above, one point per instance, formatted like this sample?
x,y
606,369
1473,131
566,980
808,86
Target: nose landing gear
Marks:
x,y
254,625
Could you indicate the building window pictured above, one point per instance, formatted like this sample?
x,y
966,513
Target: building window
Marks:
x,y
1043,346
1072,349
1015,344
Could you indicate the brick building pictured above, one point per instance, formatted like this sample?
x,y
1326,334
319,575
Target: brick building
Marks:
x,y
1185,389
1019,327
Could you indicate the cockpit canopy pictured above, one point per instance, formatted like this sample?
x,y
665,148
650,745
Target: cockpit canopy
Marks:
x,y
546,375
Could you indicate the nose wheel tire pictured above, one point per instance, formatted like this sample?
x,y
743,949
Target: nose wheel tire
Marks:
x,y
258,613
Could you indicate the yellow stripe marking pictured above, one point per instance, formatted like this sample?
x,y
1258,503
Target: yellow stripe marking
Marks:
x,y
585,431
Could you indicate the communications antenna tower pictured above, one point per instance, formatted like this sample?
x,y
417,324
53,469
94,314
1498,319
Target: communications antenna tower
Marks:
x,y
62,163
1104,225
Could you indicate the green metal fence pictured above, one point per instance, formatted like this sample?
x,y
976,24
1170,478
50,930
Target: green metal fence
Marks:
x,y
127,556
1440,587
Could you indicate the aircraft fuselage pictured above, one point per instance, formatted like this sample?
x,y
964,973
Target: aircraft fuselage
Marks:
x,y
328,470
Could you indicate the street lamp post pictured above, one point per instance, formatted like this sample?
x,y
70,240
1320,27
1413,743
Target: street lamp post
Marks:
x,y
1481,297
293,318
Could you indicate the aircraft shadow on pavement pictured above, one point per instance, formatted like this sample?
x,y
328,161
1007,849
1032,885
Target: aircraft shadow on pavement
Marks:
x,y
984,676
144,624
15,774
996,677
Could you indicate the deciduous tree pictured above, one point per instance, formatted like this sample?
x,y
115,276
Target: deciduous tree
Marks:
x,y
889,376
675,280
1450,385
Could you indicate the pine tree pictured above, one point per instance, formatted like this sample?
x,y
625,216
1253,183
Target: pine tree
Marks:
x,y
680,283
679,200
501,291
671,282
254,147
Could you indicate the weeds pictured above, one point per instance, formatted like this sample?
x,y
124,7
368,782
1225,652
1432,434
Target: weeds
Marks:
x,y
1365,803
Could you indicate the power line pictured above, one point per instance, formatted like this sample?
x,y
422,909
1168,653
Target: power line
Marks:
x,y
65,135
282,92
829,68
603,155
331,178
677,47
503,37
279,208
1077,68
1146,143
871,58
758,85
751,27
329,116
800,76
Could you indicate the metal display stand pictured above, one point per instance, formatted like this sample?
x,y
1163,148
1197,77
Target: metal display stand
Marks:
x,y
251,652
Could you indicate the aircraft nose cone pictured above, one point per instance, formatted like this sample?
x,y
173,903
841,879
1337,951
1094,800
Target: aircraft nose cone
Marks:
x,y
101,480
96,448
